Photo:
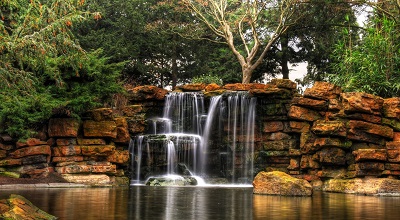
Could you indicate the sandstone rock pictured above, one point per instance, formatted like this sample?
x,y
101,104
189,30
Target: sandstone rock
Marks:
x,y
361,102
136,125
122,131
101,114
63,127
300,113
245,87
299,126
323,90
192,87
214,93
29,151
212,87
35,159
370,166
74,168
329,128
6,146
67,159
145,93
132,110
63,151
396,137
331,142
19,208
91,141
280,145
284,83
393,145
273,126
307,140
392,166
393,123
391,107
364,117
106,129
98,150
294,164
272,92
334,105
65,141
279,183
359,135
307,162
5,138
3,154
88,179
277,136
171,181
30,142
10,162
365,186
119,156
371,128
370,154
393,155
332,156
310,103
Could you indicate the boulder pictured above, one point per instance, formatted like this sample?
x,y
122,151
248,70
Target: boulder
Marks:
x,y
380,130
63,127
304,114
106,129
212,87
192,87
332,156
63,151
323,90
391,107
19,208
370,154
280,183
361,102
329,128
284,83
310,103
29,151
98,150
273,126
88,179
101,114
364,186
171,181
142,93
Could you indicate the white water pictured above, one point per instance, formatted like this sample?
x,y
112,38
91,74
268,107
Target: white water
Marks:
x,y
188,142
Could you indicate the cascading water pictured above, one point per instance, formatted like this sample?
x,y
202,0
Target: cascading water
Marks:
x,y
186,141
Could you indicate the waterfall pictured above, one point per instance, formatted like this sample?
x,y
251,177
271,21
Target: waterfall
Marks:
x,y
186,141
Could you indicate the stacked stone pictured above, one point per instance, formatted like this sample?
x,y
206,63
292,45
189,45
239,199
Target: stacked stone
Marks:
x,y
347,135
143,102
275,142
24,159
391,113
96,155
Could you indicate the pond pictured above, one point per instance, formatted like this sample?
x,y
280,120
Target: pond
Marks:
x,y
143,202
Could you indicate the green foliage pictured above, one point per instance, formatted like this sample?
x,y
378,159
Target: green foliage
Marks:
x,y
373,66
207,79
43,69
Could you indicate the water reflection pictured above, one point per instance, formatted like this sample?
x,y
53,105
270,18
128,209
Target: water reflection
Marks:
x,y
141,202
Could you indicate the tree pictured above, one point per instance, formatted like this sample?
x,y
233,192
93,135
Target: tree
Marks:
x,y
258,24
43,69
373,64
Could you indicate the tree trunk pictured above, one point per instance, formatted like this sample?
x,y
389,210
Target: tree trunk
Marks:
x,y
174,63
284,58
246,75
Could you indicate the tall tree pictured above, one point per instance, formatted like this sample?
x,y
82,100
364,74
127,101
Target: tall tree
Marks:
x,y
43,67
258,24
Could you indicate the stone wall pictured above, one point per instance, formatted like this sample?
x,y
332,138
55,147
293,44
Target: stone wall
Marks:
x,y
319,135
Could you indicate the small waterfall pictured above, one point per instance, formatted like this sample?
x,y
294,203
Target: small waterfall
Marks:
x,y
240,120
192,143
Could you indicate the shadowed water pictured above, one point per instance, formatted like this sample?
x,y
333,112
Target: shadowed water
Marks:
x,y
174,203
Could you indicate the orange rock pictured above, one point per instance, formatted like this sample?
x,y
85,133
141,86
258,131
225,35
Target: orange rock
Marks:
x,y
101,150
142,93
192,87
370,154
101,114
299,126
67,159
106,129
329,128
29,151
284,83
393,145
310,103
63,151
212,87
91,141
371,128
273,126
132,110
297,112
120,157
391,107
10,162
361,102
63,127
323,90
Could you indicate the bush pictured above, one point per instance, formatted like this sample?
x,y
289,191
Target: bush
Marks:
x,y
207,79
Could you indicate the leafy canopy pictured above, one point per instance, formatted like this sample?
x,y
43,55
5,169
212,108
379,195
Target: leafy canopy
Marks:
x,y
42,66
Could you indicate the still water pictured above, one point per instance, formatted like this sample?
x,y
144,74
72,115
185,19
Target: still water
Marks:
x,y
174,203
